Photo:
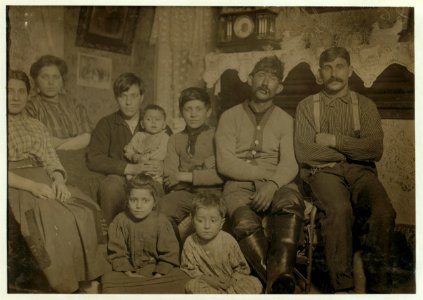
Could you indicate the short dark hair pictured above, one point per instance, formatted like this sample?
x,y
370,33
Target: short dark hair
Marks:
x,y
48,60
19,75
143,181
270,64
206,200
154,107
125,81
333,53
194,93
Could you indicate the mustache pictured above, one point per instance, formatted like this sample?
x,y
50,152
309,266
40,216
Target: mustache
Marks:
x,y
334,79
264,89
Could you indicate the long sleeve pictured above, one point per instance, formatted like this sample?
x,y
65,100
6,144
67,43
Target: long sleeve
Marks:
x,y
167,247
228,164
171,162
131,148
119,255
49,158
83,119
369,146
161,151
287,167
237,259
306,149
205,177
188,263
98,158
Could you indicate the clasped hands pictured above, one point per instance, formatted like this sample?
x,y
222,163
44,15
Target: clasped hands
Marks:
x,y
326,139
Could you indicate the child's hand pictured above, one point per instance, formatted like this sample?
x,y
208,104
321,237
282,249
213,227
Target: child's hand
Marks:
x,y
133,274
210,162
136,158
170,181
129,177
157,275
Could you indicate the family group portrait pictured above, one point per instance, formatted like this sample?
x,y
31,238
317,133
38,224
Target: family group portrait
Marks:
x,y
210,150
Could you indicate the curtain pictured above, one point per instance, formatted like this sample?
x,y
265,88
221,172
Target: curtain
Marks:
x,y
182,37
33,32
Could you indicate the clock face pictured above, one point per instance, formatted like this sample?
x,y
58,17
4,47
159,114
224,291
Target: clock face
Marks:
x,y
243,26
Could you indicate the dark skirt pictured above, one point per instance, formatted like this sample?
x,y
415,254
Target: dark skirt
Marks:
x,y
75,164
66,239
119,283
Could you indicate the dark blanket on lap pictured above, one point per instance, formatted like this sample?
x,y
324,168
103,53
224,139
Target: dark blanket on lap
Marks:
x,y
74,162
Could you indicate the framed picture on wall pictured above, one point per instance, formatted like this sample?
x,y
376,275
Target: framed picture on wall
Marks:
x,y
110,28
94,71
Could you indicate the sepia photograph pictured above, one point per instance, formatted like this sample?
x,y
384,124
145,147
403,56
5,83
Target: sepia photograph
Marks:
x,y
94,71
211,150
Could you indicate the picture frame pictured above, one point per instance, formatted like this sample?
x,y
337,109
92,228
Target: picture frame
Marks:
x,y
109,28
94,71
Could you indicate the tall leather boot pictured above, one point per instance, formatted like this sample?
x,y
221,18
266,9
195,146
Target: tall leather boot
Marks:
x,y
254,247
281,258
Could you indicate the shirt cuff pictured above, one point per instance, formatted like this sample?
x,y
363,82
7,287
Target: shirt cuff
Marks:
x,y
62,171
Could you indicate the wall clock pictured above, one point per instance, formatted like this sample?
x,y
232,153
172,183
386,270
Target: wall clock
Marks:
x,y
247,30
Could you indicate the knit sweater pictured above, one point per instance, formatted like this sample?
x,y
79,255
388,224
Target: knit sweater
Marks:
x,y
247,151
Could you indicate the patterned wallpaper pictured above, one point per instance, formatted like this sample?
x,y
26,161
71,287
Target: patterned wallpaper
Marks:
x,y
101,102
397,168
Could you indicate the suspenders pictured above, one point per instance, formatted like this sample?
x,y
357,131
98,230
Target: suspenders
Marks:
x,y
356,117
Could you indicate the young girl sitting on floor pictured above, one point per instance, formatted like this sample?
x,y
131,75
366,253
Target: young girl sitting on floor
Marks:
x,y
143,248
211,256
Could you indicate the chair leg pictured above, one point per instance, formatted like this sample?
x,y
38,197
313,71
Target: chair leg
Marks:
x,y
310,249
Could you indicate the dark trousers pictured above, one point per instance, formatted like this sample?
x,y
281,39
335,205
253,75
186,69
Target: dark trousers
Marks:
x,y
245,220
112,196
353,201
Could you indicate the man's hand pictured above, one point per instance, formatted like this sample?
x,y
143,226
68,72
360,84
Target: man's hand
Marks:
x,y
326,139
263,196
174,179
42,191
157,275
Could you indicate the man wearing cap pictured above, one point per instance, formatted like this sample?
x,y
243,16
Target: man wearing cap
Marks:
x,y
254,150
338,137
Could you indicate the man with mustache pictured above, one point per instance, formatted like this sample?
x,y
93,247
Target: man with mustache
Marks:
x,y
254,150
338,138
